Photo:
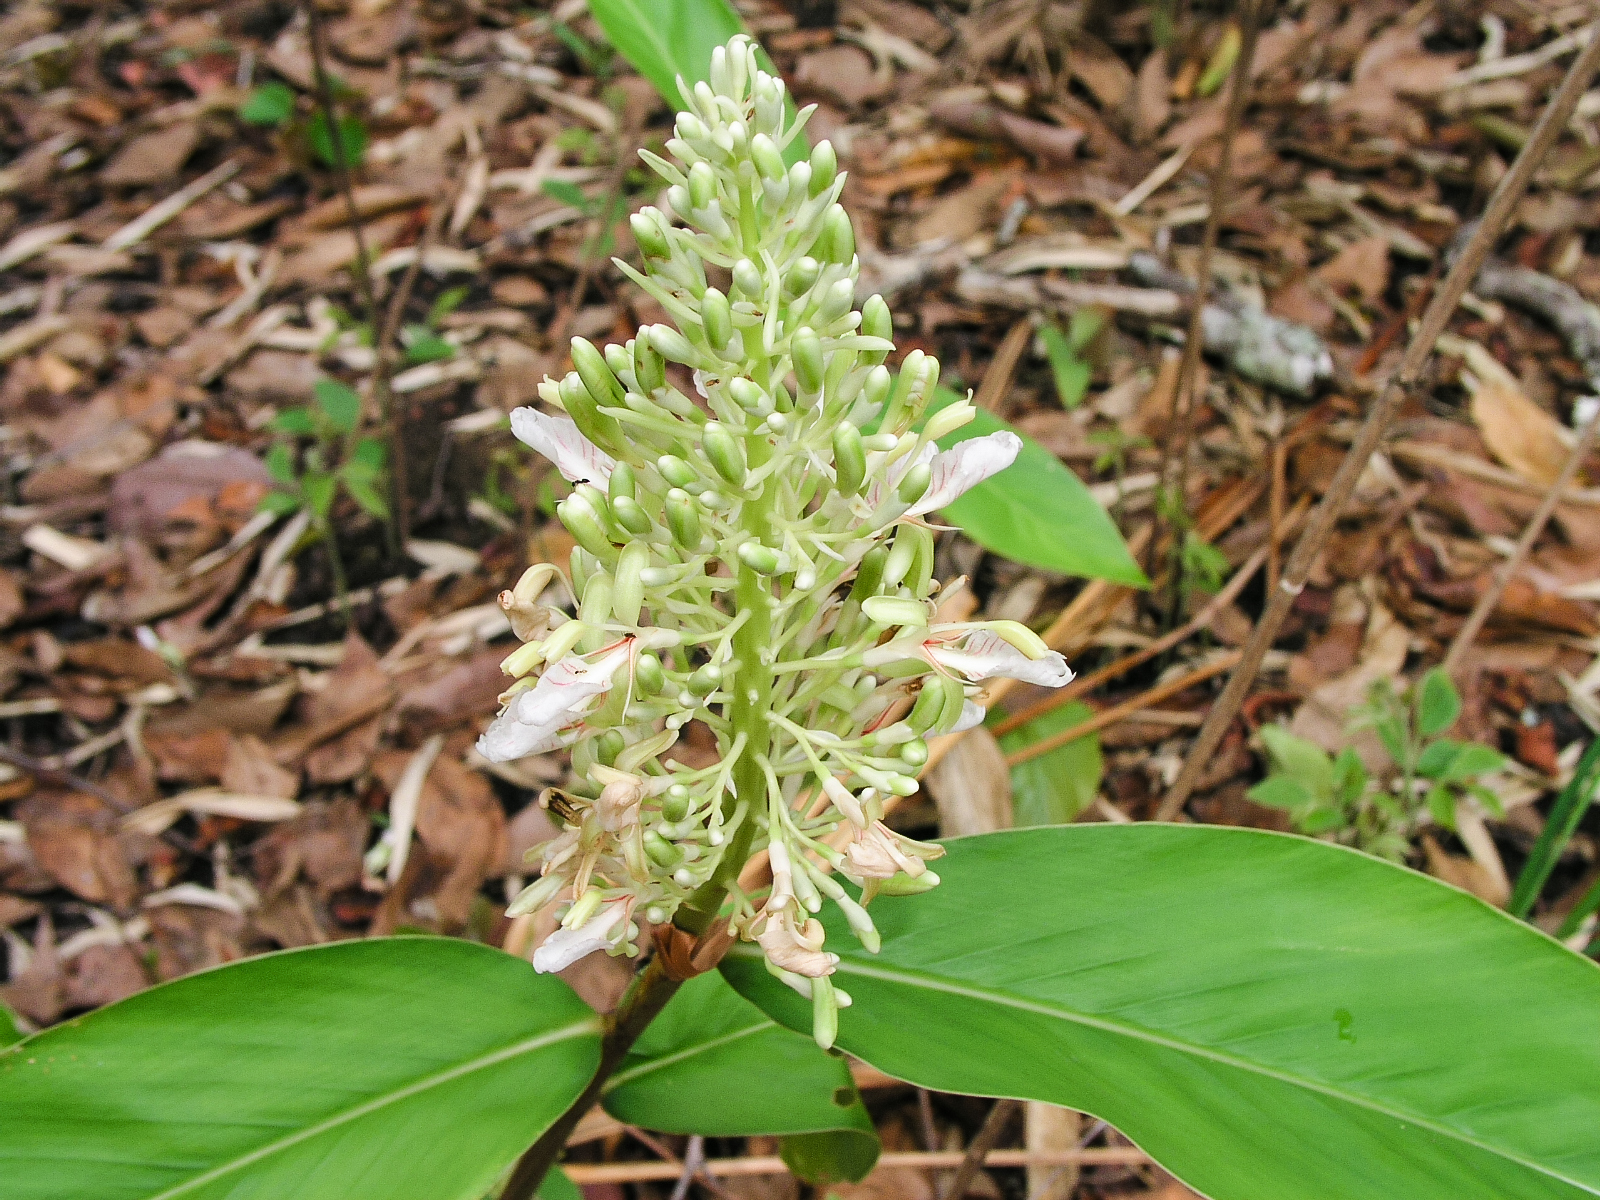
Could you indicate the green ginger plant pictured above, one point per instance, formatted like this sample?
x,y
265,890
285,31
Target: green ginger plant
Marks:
x,y
1266,1015
757,561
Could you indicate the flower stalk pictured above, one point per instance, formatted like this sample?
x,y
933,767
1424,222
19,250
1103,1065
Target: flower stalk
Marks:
x,y
751,490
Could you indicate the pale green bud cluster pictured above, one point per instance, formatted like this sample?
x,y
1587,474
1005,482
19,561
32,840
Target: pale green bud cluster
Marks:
x,y
748,500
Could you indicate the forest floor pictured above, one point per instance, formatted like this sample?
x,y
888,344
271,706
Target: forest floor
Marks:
x,y
203,760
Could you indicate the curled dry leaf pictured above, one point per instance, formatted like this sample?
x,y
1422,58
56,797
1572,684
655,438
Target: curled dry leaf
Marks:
x,y
1518,432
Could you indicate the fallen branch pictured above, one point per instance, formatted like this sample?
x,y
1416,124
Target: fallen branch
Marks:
x,y
1409,373
982,1144
771,1164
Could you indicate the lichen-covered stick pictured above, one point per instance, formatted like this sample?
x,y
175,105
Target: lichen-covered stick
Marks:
x,y
753,552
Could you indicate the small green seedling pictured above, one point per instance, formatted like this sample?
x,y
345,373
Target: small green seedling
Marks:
x,y
1339,798
422,341
335,458
272,106
1065,350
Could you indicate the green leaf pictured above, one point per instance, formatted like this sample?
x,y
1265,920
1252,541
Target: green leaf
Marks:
x,y
1442,804
295,422
1565,816
447,302
1055,787
340,404
823,1158
1282,791
1071,372
417,1067
318,488
279,462
8,1027
558,1185
1471,760
1038,512
1305,762
1268,1016
281,503
370,453
271,104
364,493
746,1074
352,137
426,346
564,192
1438,703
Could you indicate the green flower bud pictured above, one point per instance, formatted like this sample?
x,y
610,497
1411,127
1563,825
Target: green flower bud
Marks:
x,y
840,235
627,595
706,680
647,673
765,154
723,451
595,425
682,519
649,371
717,318
748,279
914,484
749,396
608,745
761,559
702,185
869,574
649,235
596,374
914,753
840,296
902,556
629,515
824,1013
876,319
780,397
805,348
677,472
824,168
901,884
802,277
920,577
584,907
673,346
691,128
849,460
620,361
595,608
878,386
578,515
924,714
622,483
662,852
892,610
675,804
581,565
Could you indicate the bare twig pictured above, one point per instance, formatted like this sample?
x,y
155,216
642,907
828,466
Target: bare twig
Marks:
x,y
771,1164
1126,709
692,1166
988,1134
1184,402
400,495
1320,526
1503,576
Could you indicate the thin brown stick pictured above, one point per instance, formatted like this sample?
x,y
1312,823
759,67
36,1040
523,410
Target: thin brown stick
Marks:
x,y
1280,455
641,1003
1127,708
1184,402
683,1166
988,1134
400,528
1409,373
1088,683
1502,577
771,1164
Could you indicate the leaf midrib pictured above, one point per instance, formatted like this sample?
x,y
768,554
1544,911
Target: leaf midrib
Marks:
x,y
911,978
589,1025
667,1060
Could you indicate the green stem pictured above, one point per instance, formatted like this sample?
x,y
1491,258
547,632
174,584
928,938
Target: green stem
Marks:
x,y
341,588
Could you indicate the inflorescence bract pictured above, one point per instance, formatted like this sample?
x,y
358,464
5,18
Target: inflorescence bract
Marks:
x,y
752,558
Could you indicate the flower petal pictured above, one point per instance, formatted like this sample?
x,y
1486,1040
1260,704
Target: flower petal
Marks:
x,y
566,946
533,720
985,655
558,439
964,466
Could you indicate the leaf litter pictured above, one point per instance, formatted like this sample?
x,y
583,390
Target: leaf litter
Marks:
x,y
203,760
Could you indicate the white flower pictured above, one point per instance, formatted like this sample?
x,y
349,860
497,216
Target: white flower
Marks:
x,y
533,721
878,853
954,472
971,717
797,949
566,946
964,466
973,655
558,439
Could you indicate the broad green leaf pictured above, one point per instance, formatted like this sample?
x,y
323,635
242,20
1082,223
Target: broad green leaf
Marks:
x,y
745,1073
1270,1017
565,192
1282,791
280,463
371,454
319,488
364,493
414,1067
1304,762
270,104
340,403
8,1027
829,1157
558,1185
1038,512
352,140
1438,703
427,346
1055,787
296,422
